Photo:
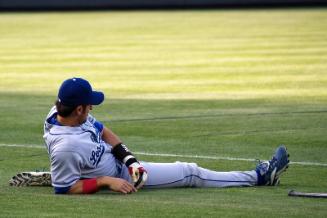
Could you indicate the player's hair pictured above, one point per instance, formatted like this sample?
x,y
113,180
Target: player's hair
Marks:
x,y
64,110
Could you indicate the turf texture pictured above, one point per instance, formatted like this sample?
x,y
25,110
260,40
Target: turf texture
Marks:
x,y
218,83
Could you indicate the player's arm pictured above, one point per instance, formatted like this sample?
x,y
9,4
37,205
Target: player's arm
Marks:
x,y
89,186
106,134
121,152
109,137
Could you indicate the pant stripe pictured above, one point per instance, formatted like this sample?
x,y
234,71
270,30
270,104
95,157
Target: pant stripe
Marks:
x,y
210,180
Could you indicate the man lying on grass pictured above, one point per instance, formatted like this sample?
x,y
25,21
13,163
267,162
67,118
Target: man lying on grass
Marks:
x,y
86,156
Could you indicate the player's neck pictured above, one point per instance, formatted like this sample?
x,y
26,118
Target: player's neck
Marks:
x,y
68,121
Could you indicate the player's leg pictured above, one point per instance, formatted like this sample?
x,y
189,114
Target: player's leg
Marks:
x,y
165,175
190,175
161,175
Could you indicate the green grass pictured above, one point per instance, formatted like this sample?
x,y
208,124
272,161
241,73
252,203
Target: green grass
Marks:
x,y
230,83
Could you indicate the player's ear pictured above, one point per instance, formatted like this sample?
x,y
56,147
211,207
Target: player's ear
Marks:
x,y
79,110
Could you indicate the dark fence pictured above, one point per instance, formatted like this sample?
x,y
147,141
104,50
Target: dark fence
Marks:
x,y
126,4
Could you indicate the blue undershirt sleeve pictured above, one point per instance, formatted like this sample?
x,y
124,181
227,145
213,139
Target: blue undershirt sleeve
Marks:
x,y
61,190
98,125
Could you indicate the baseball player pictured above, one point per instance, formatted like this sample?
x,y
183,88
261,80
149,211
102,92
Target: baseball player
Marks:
x,y
87,156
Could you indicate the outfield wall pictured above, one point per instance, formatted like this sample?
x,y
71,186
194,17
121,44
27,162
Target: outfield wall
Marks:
x,y
107,4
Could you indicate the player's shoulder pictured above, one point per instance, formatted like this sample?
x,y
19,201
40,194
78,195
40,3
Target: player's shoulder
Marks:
x,y
91,118
52,111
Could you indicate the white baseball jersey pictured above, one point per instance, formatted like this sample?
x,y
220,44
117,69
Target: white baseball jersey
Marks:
x,y
79,152
76,152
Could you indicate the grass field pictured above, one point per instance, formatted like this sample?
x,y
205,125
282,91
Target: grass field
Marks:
x,y
231,84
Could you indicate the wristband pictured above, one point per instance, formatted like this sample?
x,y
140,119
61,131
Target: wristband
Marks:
x,y
122,153
90,186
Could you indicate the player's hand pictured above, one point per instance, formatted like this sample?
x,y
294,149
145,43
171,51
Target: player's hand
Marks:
x,y
138,174
121,185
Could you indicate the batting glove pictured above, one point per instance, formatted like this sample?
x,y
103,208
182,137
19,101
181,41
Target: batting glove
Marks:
x,y
138,173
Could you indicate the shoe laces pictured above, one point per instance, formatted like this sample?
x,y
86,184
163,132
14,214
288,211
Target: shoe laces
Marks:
x,y
262,166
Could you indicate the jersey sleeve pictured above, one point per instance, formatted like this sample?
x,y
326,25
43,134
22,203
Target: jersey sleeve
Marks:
x,y
98,125
65,170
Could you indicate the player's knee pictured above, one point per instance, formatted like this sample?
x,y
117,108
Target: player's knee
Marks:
x,y
191,173
188,168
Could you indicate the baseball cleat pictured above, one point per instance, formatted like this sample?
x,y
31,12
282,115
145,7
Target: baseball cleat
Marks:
x,y
31,179
269,171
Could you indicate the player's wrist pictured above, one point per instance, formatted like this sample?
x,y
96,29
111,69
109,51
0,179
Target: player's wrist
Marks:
x,y
122,153
130,160
102,181
105,181
90,186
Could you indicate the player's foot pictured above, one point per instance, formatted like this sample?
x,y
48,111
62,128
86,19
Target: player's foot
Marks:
x,y
269,171
31,179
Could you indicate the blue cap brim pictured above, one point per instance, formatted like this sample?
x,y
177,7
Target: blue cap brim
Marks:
x,y
97,98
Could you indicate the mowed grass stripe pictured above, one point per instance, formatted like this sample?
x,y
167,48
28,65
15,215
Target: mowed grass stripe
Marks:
x,y
217,48
61,61
235,82
112,52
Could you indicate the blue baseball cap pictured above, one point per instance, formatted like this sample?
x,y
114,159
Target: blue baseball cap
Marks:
x,y
78,91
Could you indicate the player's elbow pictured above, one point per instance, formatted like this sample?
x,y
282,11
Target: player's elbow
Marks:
x,y
61,190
